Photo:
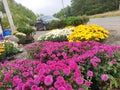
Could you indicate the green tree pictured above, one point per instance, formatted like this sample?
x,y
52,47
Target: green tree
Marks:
x,y
65,12
77,6
22,16
1,7
117,4
89,7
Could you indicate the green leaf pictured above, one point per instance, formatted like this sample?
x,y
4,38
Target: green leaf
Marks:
x,y
114,81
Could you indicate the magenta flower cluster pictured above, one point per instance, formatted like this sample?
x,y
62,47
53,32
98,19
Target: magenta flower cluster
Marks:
x,y
34,75
59,66
65,50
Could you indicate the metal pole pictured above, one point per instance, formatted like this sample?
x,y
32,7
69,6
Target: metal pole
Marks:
x,y
0,26
1,16
62,3
63,7
5,3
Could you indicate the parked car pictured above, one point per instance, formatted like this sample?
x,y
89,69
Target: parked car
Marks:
x,y
43,21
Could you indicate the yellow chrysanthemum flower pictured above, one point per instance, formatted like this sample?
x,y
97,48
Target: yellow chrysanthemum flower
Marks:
x,y
1,49
88,32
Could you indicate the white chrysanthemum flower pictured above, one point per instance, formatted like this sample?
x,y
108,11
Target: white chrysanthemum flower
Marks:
x,y
14,44
56,33
19,33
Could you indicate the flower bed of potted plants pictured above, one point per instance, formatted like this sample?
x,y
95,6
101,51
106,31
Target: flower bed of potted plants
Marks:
x,y
10,49
96,57
86,65
75,34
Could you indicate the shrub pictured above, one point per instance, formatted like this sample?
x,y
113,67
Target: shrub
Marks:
x,y
21,36
26,30
29,33
56,35
88,32
53,25
70,21
56,24
84,19
74,21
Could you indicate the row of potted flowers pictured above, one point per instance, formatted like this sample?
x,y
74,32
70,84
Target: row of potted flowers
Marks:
x,y
78,33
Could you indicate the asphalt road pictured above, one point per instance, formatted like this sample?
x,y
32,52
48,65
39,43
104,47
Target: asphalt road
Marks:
x,y
39,33
110,23
113,25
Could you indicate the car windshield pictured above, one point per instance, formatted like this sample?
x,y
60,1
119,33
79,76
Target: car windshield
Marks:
x,y
47,18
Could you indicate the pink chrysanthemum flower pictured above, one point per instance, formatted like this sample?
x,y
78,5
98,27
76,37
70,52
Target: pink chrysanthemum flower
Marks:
x,y
48,80
112,62
90,73
87,83
79,80
104,77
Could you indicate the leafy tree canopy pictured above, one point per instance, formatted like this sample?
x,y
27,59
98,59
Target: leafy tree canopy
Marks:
x,y
89,7
22,16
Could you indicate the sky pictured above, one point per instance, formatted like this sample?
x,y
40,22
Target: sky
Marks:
x,y
46,7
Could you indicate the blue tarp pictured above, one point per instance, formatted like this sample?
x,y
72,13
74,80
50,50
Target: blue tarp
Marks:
x,y
6,32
